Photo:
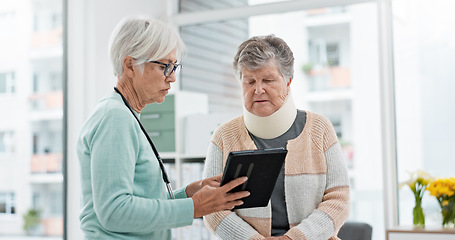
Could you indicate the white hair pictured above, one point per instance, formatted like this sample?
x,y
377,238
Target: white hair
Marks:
x,y
143,39
257,51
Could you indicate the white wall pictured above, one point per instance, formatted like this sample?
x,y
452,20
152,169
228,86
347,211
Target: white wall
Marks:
x,y
90,75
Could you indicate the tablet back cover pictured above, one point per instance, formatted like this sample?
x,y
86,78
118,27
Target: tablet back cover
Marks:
x,y
262,168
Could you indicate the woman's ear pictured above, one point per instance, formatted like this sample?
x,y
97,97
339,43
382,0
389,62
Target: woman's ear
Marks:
x,y
288,85
128,66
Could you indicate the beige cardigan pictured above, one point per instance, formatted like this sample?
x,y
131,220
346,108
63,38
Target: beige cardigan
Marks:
x,y
316,183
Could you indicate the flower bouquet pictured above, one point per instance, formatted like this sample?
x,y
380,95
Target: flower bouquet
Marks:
x,y
418,182
444,191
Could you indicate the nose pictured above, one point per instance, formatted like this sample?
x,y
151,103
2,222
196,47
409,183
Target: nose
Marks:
x,y
259,88
171,78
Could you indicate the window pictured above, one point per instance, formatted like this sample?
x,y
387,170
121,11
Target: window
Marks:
x,y
338,86
7,143
35,82
7,82
55,81
331,77
36,22
56,202
7,23
323,53
7,206
424,83
333,58
56,20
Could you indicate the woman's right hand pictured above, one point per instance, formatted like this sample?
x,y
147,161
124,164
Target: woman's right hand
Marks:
x,y
214,199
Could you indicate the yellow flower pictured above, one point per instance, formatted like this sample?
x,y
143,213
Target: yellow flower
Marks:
x,y
442,187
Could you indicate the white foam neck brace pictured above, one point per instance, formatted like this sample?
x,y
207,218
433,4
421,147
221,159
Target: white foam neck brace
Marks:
x,y
274,125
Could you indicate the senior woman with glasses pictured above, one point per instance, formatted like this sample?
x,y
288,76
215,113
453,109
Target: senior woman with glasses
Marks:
x,y
123,193
311,196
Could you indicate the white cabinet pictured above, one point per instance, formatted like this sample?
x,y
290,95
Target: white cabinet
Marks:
x,y
198,130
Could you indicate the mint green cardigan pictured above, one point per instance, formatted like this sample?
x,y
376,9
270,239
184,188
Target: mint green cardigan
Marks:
x,y
123,193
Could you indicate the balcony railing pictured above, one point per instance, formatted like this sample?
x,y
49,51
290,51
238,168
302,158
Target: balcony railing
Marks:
x,y
46,101
53,226
329,79
46,163
51,38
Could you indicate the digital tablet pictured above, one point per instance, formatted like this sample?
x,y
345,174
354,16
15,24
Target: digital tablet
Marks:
x,y
262,168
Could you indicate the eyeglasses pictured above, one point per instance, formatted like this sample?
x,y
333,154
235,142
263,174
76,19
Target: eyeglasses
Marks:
x,y
170,67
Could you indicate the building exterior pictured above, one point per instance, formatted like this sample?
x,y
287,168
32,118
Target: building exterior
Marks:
x,y
31,103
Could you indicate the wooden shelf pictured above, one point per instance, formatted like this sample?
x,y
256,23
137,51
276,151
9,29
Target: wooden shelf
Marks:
x,y
427,233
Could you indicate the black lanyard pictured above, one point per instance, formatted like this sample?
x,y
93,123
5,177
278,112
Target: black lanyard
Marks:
x,y
163,169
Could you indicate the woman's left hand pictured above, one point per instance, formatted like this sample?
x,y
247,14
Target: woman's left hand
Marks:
x,y
193,187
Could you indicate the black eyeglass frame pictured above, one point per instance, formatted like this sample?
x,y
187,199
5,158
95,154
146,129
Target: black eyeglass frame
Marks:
x,y
167,71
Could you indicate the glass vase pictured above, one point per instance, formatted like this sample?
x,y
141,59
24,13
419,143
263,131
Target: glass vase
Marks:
x,y
418,216
448,214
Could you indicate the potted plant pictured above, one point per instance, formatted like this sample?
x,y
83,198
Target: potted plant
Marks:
x,y
32,221
307,67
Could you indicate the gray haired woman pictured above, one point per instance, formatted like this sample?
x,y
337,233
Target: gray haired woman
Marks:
x,y
311,196
123,193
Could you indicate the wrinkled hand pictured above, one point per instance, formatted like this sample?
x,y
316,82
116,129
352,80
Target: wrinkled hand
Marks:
x,y
210,199
193,187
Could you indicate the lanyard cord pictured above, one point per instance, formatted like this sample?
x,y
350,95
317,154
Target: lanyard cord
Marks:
x,y
163,169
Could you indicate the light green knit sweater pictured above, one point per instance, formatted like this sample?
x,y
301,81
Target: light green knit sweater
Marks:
x,y
316,184
123,194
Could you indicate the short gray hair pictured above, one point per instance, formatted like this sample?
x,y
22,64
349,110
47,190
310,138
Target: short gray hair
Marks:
x,y
143,39
257,51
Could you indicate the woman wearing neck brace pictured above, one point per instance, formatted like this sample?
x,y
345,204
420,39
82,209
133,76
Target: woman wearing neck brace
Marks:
x,y
311,196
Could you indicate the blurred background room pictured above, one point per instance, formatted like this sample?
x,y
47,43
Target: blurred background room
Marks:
x,y
382,71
